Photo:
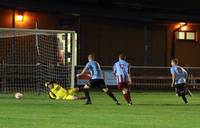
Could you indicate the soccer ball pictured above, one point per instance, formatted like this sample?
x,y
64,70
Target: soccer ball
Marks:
x,y
18,95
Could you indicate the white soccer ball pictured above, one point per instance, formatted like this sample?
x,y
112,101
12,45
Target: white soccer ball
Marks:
x,y
18,95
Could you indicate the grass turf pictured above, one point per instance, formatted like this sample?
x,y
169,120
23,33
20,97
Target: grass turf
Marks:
x,y
151,110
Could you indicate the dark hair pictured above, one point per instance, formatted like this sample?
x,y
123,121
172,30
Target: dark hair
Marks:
x,y
175,60
53,82
122,56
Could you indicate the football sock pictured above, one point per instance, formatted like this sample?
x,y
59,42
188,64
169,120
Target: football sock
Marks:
x,y
184,99
188,92
111,95
86,91
127,97
87,95
82,98
81,89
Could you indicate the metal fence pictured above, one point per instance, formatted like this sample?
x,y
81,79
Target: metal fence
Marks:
x,y
32,77
152,77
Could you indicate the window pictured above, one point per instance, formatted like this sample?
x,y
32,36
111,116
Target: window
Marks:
x,y
181,35
186,35
190,35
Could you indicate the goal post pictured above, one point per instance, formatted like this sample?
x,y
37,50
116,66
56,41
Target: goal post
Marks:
x,y
74,58
31,57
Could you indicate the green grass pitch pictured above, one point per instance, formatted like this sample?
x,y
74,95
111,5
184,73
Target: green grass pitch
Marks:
x,y
151,110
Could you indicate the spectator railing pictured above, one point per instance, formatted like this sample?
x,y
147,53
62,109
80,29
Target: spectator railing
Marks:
x,y
148,77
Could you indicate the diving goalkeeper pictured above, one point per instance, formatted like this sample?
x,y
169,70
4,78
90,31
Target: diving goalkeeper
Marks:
x,y
56,91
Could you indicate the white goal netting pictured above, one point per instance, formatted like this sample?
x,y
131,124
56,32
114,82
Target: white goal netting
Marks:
x,y
30,57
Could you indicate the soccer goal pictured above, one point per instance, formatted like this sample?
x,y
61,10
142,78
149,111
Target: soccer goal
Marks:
x,y
31,57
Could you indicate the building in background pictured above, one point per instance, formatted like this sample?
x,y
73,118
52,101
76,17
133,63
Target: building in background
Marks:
x,y
147,37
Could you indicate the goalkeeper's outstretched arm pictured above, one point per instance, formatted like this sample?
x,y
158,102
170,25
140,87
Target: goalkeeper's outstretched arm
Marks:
x,y
51,95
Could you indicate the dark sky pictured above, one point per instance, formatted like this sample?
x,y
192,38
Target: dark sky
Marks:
x,y
146,10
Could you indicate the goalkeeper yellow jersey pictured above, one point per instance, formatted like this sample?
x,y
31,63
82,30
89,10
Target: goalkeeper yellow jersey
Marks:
x,y
58,92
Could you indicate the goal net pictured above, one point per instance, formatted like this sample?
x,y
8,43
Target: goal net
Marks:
x,y
31,57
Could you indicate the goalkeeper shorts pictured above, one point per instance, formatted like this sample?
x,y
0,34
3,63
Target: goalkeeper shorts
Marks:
x,y
71,91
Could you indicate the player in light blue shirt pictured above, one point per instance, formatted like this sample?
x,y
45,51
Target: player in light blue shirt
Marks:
x,y
179,79
94,69
121,70
97,79
180,75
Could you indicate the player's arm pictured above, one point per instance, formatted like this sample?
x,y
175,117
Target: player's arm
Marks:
x,y
52,96
173,80
173,76
186,73
114,70
82,72
129,75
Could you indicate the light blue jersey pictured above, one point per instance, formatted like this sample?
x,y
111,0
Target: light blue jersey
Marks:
x,y
179,73
95,69
121,71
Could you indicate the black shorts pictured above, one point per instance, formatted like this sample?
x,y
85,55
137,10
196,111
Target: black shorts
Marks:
x,y
180,88
99,83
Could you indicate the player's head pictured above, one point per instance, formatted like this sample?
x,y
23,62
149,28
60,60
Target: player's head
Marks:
x,y
122,56
49,85
91,57
174,62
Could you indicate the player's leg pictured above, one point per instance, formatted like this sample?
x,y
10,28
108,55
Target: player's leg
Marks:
x,y
79,98
187,91
73,91
181,90
101,84
184,99
85,89
110,94
127,96
126,93
72,97
176,91
184,93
